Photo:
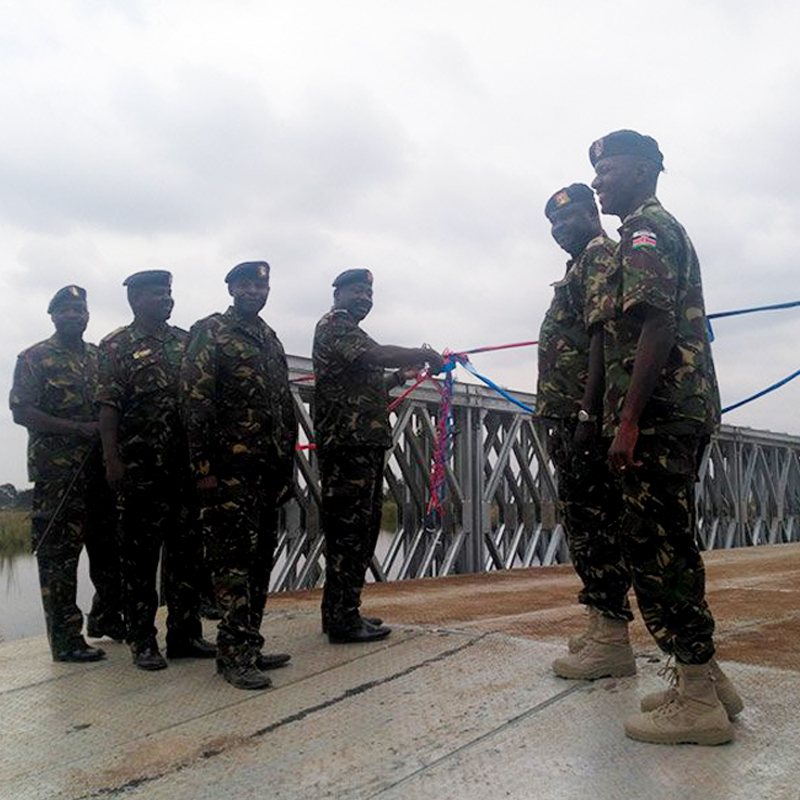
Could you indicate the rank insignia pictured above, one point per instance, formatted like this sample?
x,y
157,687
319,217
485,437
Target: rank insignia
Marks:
x,y
73,290
142,353
597,149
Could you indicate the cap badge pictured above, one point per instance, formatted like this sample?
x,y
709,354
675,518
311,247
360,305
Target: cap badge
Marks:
x,y
561,199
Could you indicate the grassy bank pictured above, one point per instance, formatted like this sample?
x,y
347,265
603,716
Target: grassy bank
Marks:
x,y
15,533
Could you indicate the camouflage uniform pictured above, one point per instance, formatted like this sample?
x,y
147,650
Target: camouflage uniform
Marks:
x,y
139,378
242,429
351,423
658,527
61,382
587,491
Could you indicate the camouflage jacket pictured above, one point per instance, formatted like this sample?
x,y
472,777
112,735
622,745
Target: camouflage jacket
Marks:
x,y
351,402
139,374
686,397
60,382
564,336
235,397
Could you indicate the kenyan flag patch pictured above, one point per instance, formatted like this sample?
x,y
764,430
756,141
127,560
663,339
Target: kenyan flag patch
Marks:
x,y
644,240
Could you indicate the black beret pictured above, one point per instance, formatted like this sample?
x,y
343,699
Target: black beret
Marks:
x,y
355,275
65,295
626,143
569,195
248,269
149,277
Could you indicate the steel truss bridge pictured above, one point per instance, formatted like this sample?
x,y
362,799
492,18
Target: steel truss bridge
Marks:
x,y
501,510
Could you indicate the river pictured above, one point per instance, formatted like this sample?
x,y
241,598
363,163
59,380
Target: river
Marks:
x,y
21,612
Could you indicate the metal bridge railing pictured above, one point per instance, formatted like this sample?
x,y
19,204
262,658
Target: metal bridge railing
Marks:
x,y
501,509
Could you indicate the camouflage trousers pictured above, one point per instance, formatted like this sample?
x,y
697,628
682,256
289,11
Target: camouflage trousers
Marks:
x,y
658,532
592,503
352,499
154,514
86,518
239,521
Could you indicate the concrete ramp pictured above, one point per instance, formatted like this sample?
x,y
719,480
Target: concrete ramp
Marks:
x,y
429,713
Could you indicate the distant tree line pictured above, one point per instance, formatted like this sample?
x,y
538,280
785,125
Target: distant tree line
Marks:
x,y
11,499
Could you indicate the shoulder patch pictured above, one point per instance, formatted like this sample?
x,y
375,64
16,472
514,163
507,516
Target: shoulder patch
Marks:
x,y
644,240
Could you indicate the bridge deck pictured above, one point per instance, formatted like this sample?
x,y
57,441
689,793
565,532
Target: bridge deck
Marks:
x,y
458,703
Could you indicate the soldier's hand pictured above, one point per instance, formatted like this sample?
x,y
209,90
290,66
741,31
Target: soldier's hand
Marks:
x,y
88,430
207,484
115,471
408,374
584,438
620,454
434,359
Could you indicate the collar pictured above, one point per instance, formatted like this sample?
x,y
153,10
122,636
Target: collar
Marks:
x,y
162,333
637,212
57,344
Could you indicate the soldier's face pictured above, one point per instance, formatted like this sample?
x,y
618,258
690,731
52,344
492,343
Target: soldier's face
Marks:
x,y
616,184
355,298
573,226
249,294
153,303
71,318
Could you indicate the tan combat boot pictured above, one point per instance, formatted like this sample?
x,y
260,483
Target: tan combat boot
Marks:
x,y
606,654
576,642
726,691
694,716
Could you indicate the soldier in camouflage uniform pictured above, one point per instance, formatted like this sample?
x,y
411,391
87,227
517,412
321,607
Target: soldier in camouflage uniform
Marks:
x,y
242,433
351,421
52,396
146,457
571,403
661,406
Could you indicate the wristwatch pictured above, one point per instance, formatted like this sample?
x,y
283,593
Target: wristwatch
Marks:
x,y
585,416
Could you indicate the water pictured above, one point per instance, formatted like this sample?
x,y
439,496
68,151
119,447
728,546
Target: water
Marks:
x,y
21,613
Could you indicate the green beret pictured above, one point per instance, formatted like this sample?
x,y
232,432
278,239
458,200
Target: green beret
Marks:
x,y
149,277
569,195
355,275
626,143
64,296
248,269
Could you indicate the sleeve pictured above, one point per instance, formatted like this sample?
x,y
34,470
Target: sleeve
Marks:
x,y
351,342
110,382
197,391
26,389
650,268
600,286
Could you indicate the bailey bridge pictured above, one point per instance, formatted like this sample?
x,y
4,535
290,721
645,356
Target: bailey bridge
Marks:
x,y
501,510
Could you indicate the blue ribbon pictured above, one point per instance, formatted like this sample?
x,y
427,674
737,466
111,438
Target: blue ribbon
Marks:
x,y
492,385
763,392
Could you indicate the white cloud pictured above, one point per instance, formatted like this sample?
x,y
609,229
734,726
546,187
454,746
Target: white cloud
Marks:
x,y
421,139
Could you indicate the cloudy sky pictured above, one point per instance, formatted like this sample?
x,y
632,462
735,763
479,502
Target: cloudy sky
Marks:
x,y
420,138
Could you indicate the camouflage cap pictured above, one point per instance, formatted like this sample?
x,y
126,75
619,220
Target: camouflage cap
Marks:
x,y
355,275
573,194
626,143
149,277
65,295
248,269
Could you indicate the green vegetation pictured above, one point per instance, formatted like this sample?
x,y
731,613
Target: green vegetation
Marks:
x,y
389,516
15,533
